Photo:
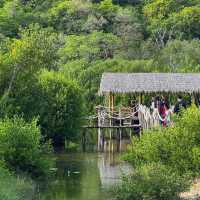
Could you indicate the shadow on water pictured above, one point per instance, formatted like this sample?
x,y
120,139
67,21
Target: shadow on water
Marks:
x,y
85,176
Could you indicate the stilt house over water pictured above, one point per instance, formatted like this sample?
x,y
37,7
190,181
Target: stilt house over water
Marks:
x,y
139,84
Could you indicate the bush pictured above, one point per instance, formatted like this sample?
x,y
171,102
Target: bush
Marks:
x,y
20,147
151,182
165,160
177,147
14,188
60,107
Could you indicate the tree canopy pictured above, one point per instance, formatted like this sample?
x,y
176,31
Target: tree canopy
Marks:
x,y
82,39
52,56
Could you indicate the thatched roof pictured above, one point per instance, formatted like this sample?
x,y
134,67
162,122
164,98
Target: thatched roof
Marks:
x,y
150,82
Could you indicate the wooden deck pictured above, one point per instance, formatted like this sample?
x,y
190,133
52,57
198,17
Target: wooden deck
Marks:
x,y
118,127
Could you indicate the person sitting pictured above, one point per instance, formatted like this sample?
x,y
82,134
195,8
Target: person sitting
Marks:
x,y
180,104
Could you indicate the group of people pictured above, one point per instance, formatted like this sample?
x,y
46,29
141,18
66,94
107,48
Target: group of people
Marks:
x,y
163,107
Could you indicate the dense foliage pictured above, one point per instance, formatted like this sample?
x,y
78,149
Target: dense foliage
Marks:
x,y
22,157
52,56
60,107
86,38
151,182
166,160
30,91
20,147
177,147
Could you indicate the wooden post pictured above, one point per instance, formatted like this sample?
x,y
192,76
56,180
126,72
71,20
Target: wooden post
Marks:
x,y
84,141
140,98
130,133
109,102
112,147
113,101
120,124
110,131
193,99
111,110
99,130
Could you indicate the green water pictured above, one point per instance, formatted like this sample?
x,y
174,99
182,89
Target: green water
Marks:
x,y
83,176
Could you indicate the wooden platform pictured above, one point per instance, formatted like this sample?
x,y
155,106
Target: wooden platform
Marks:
x,y
118,127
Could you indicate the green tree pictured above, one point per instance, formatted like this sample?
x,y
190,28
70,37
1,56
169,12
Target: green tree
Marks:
x,y
14,15
88,75
69,16
172,19
187,21
128,2
91,47
129,27
180,56
60,107
20,65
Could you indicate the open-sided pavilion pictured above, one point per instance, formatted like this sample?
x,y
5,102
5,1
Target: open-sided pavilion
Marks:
x,y
138,84
148,83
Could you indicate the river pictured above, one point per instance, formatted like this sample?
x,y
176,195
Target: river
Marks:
x,y
84,176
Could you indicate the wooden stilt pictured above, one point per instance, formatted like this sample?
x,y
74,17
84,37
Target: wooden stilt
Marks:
x,y
130,133
99,131
111,110
120,145
120,124
112,148
140,98
112,102
109,102
84,141
193,99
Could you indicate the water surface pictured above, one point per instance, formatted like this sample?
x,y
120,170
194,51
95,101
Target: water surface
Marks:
x,y
84,176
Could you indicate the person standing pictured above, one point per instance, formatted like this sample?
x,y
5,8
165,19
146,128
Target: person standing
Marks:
x,y
180,104
163,108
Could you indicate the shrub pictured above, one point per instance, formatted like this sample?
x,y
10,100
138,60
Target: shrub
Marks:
x,y
20,146
151,182
177,147
163,158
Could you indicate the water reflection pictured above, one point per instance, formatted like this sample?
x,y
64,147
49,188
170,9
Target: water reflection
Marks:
x,y
111,169
84,176
112,146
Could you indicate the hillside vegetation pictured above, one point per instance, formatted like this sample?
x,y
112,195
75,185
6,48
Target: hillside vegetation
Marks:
x,y
52,56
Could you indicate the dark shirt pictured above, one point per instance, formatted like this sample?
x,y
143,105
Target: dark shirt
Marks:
x,y
179,105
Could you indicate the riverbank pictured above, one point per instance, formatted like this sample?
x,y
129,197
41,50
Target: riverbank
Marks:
x,y
193,193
